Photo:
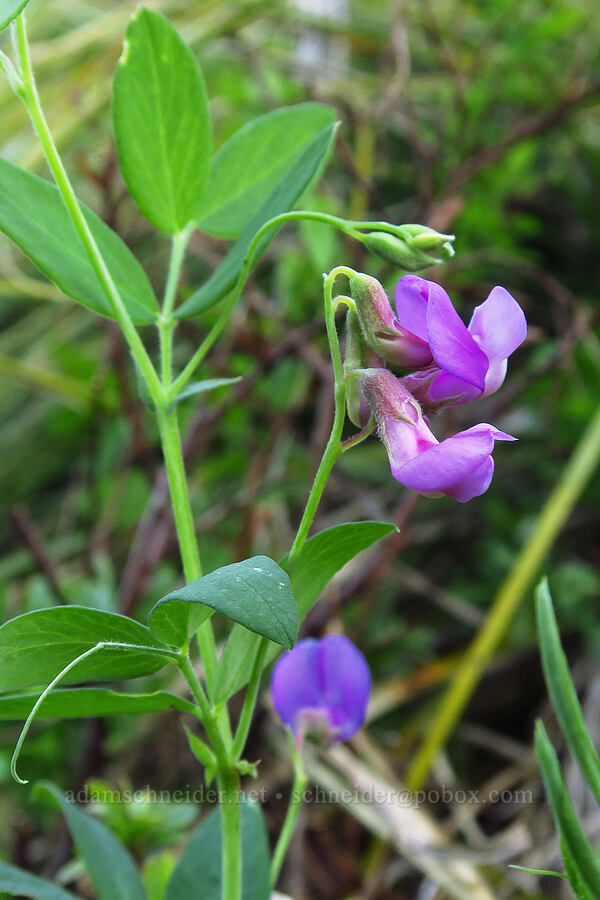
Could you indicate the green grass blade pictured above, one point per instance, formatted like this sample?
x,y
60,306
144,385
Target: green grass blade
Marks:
x,y
579,850
562,692
574,876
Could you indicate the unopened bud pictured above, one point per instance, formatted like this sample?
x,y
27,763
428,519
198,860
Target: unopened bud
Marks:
x,y
380,327
413,247
428,239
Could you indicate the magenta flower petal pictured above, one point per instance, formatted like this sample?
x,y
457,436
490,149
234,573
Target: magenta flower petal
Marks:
x,y
444,465
325,679
346,683
444,388
412,294
474,485
453,347
294,686
498,324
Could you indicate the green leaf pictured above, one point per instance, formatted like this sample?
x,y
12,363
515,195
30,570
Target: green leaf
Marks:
x,y
36,646
562,692
32,214
200,862
162,122
256,593
200,749
579,850
109,865
296,180
76,703
16,882
201,387
324,554
9,10
254,159
321,557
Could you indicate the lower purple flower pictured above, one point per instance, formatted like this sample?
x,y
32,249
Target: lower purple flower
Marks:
x,y
322,685
461,466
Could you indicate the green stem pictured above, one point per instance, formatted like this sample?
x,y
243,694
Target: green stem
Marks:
x,y
241,734
166,323
207,713
182,511
551,519
295,804
334,446
229,790
31,100
332,452
219,325
231,835
184,525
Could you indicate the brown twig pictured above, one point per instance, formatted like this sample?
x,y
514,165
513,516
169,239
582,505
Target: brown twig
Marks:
x,y
33,540
521,130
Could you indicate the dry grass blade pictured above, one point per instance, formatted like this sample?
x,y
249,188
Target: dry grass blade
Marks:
x,y
408,828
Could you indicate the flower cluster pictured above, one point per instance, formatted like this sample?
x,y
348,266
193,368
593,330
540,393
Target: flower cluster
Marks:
x,y
449,364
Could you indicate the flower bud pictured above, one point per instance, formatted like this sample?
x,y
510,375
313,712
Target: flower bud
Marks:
x,y
425,238
413,247
380,327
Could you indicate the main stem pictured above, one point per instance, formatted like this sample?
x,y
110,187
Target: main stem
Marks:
x,y
231,834
31,100
229,786
184,525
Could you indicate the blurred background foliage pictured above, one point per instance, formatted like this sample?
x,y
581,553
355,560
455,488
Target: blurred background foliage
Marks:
x,y
480,118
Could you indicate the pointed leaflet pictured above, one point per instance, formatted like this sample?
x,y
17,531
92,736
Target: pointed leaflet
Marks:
x,y
9,10
16,882
256,593
109,865
303,170
321,557
200,862
78,703
201,387
162,122
36,646
32,214
255,158
562,692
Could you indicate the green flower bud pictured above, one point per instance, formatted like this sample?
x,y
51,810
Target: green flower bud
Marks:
x,y
425,238
413,247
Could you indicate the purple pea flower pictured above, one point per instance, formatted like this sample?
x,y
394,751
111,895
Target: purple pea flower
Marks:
x,y
461,466
467,362
323,686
